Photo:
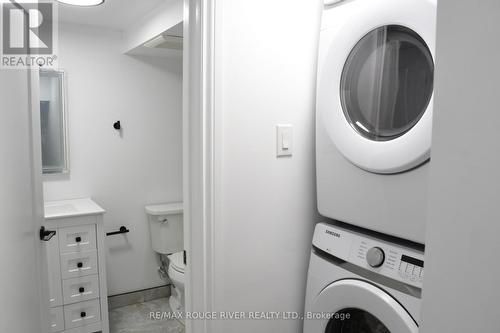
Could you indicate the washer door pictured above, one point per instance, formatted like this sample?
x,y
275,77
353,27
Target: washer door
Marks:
x,y
375,83
353,306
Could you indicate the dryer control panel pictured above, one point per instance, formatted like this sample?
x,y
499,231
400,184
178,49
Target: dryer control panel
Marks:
x,y
395,261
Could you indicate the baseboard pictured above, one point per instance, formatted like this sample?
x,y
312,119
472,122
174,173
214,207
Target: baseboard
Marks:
x,y
140,296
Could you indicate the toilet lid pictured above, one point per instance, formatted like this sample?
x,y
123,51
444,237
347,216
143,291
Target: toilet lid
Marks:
x,y
177,261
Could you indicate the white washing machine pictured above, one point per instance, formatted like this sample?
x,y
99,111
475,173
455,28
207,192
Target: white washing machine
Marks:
x,y
374,113
359,283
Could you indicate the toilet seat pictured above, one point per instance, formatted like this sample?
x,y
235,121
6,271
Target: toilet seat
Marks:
x,y
177,261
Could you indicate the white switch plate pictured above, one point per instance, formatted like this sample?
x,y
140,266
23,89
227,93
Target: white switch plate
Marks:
x,y
284,140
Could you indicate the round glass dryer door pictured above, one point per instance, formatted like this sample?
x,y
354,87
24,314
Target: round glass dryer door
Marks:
x,y
356,306
387,82
375,83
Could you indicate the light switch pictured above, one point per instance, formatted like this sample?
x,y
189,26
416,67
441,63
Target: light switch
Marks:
x,y
284,140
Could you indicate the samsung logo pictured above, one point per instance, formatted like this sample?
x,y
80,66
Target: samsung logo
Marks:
x,y
333,233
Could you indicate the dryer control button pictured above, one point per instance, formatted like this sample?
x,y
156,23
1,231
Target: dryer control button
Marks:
x,y
375,257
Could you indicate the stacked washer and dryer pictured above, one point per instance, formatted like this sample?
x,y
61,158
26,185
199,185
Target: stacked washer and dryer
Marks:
x,y
373,141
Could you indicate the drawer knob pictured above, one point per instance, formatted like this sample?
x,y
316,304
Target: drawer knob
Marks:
x,y
78,239
79,265
83,314
81,290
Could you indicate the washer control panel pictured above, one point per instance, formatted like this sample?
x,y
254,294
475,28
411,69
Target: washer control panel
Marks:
x,y
395,261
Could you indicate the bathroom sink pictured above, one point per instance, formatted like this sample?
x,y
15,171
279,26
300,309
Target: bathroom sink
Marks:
x,y
73,207
60,209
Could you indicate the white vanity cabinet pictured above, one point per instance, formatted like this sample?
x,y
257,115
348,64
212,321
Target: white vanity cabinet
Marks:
x,y
76,267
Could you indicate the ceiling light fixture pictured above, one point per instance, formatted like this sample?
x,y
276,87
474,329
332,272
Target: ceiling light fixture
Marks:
x,y
82,3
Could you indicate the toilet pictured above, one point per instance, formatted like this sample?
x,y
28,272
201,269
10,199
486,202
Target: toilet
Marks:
x,y
176,273
166,227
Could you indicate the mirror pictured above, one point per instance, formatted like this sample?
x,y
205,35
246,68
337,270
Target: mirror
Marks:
x,y
53,116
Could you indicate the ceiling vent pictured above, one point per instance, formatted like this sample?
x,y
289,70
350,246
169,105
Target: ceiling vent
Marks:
x,y
165,42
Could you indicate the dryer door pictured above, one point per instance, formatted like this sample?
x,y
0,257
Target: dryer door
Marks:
x,y
375,82
386,83
353,306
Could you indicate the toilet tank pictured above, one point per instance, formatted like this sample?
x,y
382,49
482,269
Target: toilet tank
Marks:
x,y
166,227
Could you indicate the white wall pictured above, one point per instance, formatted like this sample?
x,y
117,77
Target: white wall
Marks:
x,y
121,172
265,75
461,288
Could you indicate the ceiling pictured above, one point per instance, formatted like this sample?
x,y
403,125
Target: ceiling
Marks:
x,y
115,14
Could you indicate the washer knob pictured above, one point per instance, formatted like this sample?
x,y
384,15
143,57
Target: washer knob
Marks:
x,y
375,257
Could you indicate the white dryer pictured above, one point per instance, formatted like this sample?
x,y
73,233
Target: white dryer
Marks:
x,y
374,113
359,283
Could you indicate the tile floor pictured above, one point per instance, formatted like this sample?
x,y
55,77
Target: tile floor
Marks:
x,y
136,318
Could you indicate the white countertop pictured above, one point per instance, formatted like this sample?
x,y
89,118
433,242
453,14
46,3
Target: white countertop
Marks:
x,y
71,208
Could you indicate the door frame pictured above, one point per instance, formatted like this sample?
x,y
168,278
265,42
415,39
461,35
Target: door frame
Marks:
x,y
35,153
199,164
200,167
33,73
38,201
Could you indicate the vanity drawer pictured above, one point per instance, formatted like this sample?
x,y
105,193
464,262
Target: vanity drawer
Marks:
x,y
78,264
81,314
77,239
80,289
56,317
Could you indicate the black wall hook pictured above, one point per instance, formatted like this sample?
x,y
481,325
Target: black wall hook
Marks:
x,y
117,125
